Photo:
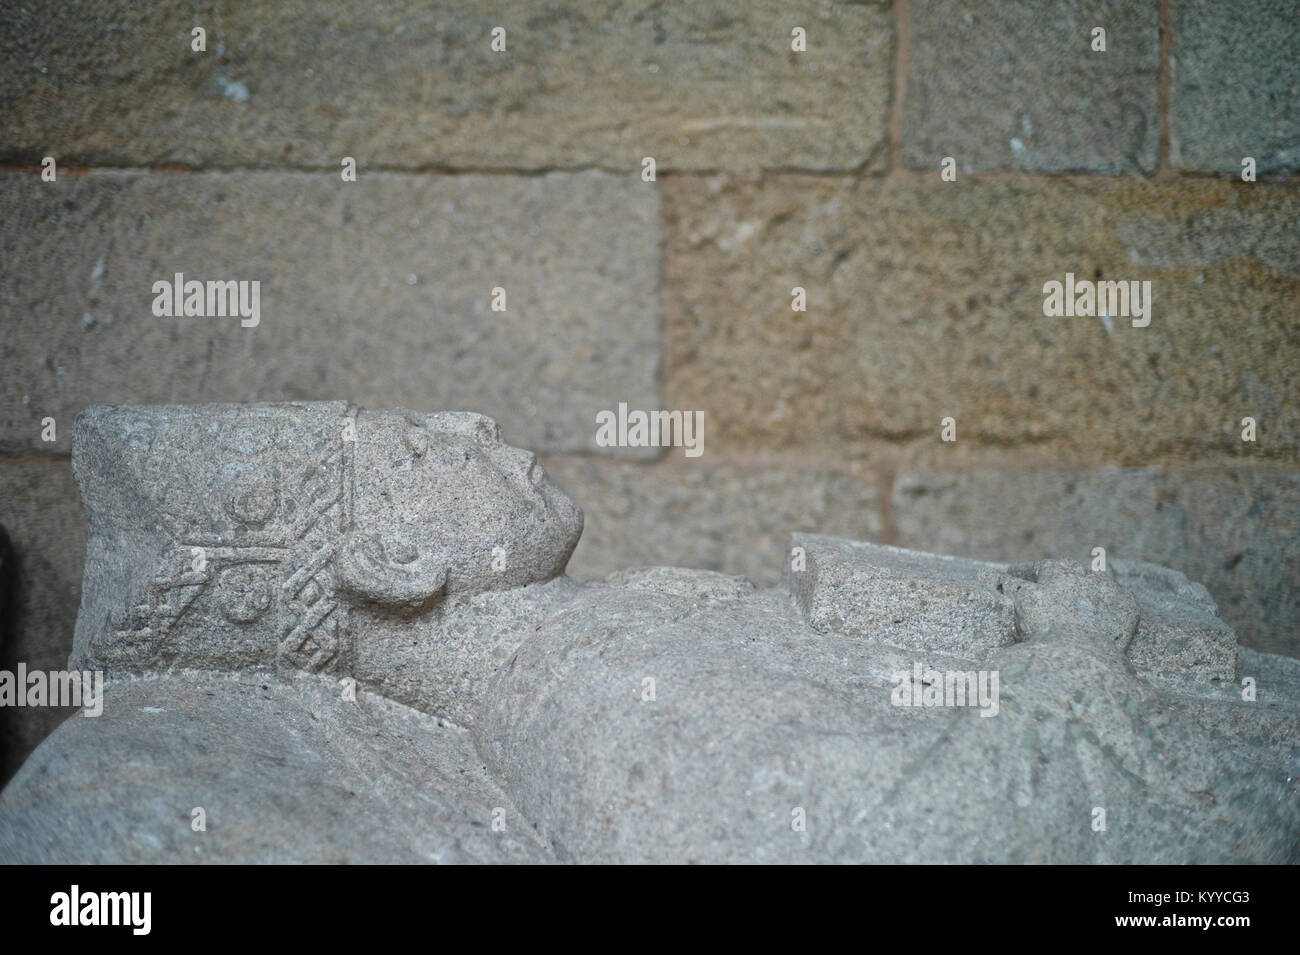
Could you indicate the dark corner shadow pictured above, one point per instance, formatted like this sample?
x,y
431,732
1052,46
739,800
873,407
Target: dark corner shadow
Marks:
x,y
10,604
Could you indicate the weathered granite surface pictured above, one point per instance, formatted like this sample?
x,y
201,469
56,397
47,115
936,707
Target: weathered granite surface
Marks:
x,y
347,636
285,770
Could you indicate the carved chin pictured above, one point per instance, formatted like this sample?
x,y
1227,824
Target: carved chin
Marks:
x,y
363,569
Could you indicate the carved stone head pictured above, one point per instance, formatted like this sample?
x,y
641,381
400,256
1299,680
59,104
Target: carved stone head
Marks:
x,y
443,505
238,535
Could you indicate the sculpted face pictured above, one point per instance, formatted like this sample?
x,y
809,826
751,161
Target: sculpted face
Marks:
x,y
442,505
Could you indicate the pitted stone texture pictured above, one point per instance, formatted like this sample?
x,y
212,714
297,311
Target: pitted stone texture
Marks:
x,y
1017,86
1180,638
1060,598
768,718
705,85
444,665
900,597
925,300
682,582
235,536
1235,89
1259,719
1216,232
393,272
285,771
920,601
659,715
1235,530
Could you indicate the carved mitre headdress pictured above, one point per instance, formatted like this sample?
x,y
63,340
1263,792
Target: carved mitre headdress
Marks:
x,y
225,517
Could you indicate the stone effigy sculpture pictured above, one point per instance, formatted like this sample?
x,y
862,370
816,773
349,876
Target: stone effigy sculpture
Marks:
x,y
339,635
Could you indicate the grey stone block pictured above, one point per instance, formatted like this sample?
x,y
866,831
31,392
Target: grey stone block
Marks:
x,y
1016,85
1237,530
1235,89
904,598
953,605
706,85
1259,229
926,300
379,290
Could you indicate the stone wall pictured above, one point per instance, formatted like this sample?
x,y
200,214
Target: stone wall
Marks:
x,y
523,170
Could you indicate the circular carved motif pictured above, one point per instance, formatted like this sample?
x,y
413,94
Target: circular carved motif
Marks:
x,y
254,503
244,592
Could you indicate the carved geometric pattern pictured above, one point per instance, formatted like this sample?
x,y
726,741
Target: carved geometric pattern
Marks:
x,y
313,624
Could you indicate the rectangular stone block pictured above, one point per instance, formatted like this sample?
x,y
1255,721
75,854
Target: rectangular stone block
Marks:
x,y
1018,85
709,85
40,588
727,517
1235,90
380,291
925,300
903,598
1237,531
